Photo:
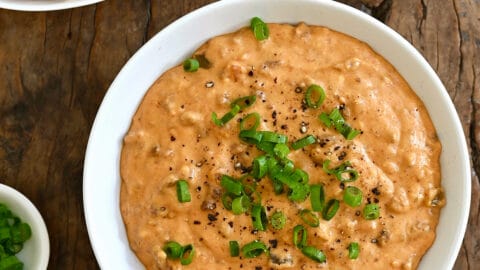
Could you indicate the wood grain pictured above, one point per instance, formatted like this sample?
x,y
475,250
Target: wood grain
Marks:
x,y
56,67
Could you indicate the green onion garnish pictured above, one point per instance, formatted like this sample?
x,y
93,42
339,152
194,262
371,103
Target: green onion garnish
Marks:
x,y
187,254
314,254
244,102
10,263
352,196
281,150
173,250
310,139
227,200
278,220
227,117
268,136
183,194
250,136
259,217
300,176
231,185
13,234
254,249
371,211
317,197
299,192
234,248
330,209
353,250
246,119
259,168
240,205
344,172
191,65
299,236
314,90
336,119
309,217
259,28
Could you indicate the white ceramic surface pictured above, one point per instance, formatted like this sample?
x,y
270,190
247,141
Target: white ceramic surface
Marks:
x,y
44,5
36,250
181,38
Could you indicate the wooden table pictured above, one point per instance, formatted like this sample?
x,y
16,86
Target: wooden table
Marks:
x,y
55,68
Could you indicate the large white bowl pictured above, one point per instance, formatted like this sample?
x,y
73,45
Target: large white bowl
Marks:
x,y
36,250
44,5
177,41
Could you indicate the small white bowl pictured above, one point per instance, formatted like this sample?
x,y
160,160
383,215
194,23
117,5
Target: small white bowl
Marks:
x,y
36,250
44,5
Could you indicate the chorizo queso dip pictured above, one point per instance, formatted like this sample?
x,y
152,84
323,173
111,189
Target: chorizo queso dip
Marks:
x,y
291,147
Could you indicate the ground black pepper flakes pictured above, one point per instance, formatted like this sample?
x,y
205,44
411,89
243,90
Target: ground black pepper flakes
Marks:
x,y
342,155
284,126
342,185
273,243
230,223
376,191
258,268
212,217
196,222
274,114
172,138
298,90
357,213
250,73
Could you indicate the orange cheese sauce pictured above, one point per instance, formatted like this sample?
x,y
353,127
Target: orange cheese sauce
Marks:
x,y
173,137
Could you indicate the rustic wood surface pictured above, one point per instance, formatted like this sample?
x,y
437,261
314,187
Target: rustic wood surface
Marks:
x,y
55,68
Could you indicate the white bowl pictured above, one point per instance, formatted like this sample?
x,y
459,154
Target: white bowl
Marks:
x,y
181,38
44,5
36,250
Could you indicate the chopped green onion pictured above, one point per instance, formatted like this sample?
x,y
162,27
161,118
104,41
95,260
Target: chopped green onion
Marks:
x,y
299,236
266,147
227,117
191,65
259,217
310,139
352,196
273,137
240,205
371,211
314,254
250,136
277,187
336,119
231,185
173,250
299,192
10,263
330,209
227,200
183,194
259,28
260,167
325,119
252,193
345,169
234,248
281,150
317,197
314,90
247,118
353,250
309,217
300,176
187,254
278,220
243,102
254,249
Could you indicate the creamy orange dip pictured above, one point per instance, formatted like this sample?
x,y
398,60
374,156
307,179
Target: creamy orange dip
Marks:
x,y
172,137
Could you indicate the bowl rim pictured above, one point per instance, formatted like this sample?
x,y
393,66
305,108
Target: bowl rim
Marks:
x,y
45,5
33,217
441,95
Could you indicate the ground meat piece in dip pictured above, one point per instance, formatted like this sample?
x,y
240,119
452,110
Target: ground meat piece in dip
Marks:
x,y
396,156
